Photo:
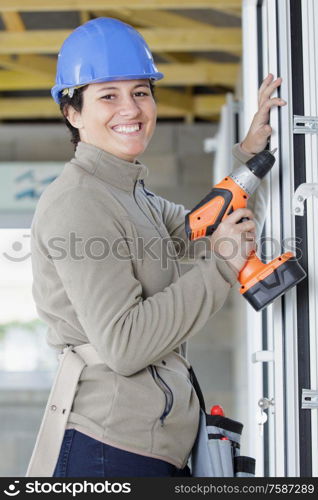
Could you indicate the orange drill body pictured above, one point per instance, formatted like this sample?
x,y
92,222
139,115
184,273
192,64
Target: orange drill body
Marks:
x,y
225,197
260,283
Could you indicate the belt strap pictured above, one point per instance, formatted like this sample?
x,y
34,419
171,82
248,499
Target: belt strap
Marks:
x,y
88,354
50,436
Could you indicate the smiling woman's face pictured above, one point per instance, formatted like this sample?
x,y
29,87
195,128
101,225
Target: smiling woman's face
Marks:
x,y
118,117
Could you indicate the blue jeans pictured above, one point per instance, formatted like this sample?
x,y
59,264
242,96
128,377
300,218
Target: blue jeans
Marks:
x,y
83,456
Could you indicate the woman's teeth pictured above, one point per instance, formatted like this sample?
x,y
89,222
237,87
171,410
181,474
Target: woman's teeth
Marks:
x,y
127,129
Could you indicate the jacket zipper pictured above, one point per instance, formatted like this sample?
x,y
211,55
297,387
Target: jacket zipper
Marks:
x,y
152,222
156,226
166,390
148,193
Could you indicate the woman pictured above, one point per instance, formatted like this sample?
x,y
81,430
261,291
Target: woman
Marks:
x,y
104,276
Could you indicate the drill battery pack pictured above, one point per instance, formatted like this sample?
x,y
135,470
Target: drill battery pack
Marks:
x,y
275,284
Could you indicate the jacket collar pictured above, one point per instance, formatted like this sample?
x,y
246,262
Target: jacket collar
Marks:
x,y
107,167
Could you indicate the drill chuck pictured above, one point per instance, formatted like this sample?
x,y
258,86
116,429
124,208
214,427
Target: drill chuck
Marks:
x,y
261,163
249,176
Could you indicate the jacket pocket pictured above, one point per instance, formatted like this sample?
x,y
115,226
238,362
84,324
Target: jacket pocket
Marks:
x,y
165,389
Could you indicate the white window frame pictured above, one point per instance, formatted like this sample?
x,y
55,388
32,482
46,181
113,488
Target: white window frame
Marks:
x,y
282,374
310,68
254,319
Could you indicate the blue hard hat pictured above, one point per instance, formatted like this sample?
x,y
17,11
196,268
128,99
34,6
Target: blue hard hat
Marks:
x,y
103,49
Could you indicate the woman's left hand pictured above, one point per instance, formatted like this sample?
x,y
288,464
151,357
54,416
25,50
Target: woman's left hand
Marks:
x,y
260,130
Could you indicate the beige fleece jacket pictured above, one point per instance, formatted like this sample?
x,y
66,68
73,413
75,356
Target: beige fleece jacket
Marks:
x,y
106,272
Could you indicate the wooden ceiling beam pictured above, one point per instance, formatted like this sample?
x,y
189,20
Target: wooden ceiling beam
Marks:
x,y
12,21
184,40
159,39
235,12
174,100
37,65
84,16
17,80
21,108
176,57
32,42
71,5
155,18
29,72
200,73
208,105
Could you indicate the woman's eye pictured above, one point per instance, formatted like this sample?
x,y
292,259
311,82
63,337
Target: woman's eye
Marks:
x,y
108,97
141,94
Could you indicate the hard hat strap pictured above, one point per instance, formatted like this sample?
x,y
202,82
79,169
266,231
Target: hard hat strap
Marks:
x,y
70,91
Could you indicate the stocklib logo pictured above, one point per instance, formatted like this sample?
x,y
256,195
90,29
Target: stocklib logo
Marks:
x,y
13,491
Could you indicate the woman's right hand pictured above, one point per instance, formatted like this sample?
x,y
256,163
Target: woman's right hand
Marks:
x,y
260,130
233,240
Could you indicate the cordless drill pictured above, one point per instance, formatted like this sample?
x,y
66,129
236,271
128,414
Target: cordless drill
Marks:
x,y
260,283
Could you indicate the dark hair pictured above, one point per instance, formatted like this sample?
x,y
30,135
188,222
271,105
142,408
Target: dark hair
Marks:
x,y
77,103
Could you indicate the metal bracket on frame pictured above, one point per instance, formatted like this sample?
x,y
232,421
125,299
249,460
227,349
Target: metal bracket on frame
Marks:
x,y
262,356
309,399
305,124
301,194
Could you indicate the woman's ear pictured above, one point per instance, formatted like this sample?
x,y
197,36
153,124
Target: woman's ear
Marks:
x,y
73,116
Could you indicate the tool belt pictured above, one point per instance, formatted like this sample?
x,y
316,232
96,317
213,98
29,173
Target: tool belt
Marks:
x,y
216,451
211,456
47,447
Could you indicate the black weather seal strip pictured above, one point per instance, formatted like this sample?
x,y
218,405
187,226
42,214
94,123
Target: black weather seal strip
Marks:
x,y
305,437
259,18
